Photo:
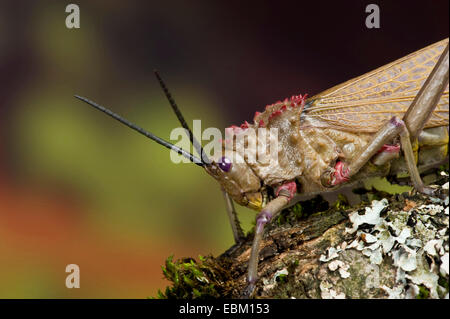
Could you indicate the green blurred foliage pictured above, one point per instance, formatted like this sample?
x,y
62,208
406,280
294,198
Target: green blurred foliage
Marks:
x,y
125,184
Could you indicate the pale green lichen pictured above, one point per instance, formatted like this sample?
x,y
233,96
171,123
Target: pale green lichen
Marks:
x,y
388,251
418,248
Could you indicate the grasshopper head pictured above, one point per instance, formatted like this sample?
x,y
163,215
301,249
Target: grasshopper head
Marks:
x,y
236,177
238,180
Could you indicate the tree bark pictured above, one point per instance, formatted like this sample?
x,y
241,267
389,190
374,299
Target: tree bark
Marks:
x,y
394,247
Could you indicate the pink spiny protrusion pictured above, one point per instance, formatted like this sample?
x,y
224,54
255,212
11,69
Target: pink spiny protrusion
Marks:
x,y
245,125
299,100
278,112
389,148
274,114
237,129
294,101
291,187
341,174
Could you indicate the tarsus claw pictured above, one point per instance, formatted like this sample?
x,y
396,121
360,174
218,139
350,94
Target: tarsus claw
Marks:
x,y
249,291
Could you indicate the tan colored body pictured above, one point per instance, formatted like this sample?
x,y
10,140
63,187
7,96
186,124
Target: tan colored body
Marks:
x,y
337,124
330,145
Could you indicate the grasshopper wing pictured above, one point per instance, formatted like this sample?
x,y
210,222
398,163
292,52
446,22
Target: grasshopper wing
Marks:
x,y
364,103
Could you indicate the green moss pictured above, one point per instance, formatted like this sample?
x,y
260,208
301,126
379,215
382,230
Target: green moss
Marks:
x,y
443,282
282,278
424,292
341,203
193,280
292,214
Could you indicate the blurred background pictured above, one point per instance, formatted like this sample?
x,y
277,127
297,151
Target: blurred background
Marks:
x,y
77,187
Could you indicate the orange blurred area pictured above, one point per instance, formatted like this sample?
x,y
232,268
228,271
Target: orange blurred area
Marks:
x,y
40,235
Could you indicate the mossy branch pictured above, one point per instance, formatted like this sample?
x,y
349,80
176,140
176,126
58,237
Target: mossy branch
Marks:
x,y
309,252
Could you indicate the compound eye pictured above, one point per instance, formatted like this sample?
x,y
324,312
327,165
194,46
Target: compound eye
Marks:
x,y
225,164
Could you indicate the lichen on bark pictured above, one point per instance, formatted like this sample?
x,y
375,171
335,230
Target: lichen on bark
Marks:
x,y
388,246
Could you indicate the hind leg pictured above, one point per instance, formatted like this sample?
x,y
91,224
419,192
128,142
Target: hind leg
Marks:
x,y
408,128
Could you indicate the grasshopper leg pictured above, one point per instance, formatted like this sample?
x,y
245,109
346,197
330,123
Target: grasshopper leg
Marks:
x,y
428,97
234,220
411,163
272,209
392,129
408,128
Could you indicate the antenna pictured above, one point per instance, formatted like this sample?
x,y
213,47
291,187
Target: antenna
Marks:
x,y
192,158
198,147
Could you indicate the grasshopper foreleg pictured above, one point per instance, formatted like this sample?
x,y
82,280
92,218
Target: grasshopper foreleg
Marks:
x,y
272,209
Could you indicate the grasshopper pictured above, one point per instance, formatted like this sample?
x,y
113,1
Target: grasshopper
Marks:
x,y
393,120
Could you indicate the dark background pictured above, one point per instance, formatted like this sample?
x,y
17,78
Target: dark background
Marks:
x,y
77,188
